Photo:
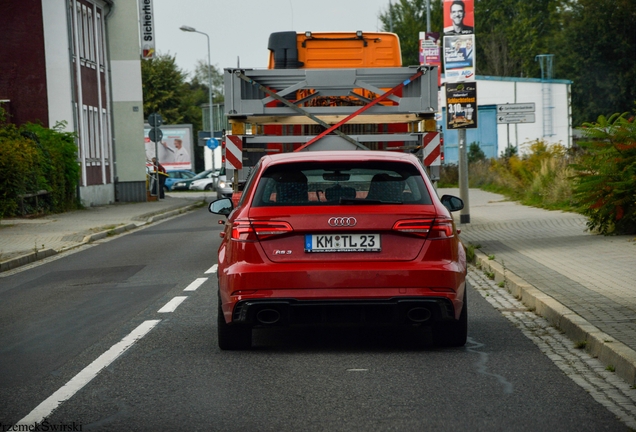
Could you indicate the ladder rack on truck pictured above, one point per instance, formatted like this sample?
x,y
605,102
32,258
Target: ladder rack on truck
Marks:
x,y
283,110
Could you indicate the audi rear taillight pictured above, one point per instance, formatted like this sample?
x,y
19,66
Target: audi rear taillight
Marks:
x,y
417,227
248,230
442,228
427,228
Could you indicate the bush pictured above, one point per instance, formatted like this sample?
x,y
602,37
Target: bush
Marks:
x,y
475,153
448,176
605,182
34,158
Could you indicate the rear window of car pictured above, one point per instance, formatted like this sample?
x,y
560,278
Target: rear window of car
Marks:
x,y
297,184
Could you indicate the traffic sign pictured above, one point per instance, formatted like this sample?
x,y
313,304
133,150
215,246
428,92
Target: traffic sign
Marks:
x,y
515,118
432,149
234,151
212,143
155,134
155,120
516,108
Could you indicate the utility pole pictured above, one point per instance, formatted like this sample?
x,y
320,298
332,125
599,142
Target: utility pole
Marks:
x,y
464,214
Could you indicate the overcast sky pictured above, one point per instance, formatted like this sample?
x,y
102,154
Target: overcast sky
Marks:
x,y
241,28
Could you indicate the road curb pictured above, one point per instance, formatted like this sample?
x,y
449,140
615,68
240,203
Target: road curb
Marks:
x,y
21,260
599,344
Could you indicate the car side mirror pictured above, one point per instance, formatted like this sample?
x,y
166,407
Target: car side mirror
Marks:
x,y
221,206
452,203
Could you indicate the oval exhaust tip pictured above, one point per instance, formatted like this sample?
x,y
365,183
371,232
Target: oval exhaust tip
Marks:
x,y
418,314
268,316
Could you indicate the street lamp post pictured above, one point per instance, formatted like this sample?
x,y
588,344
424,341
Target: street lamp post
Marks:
x,y
193,30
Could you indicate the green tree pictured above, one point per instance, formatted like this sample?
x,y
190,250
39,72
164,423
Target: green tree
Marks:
x,y
407,18
509,34
596,49
163,84
200,77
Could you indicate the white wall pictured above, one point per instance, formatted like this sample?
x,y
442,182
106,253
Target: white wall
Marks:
x,y
502,90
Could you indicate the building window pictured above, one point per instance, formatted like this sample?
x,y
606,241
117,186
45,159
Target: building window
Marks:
x,y
80,31
84,134
86,32
96,134
100,40
91,37
105,136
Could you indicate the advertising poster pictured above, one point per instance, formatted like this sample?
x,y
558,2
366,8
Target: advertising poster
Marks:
x,y
430,49
175,149
430,52
461,105
459,58
459,17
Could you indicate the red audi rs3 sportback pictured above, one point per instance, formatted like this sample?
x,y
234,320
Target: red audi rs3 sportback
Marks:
x,y
339,238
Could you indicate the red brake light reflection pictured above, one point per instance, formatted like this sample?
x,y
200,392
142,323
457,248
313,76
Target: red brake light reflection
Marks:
x,y
246,230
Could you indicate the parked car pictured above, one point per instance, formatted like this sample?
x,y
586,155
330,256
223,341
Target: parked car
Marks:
x,y
175,176
345,237
208,178
223,185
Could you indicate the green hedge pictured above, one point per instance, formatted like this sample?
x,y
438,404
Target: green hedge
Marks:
x,y
34,158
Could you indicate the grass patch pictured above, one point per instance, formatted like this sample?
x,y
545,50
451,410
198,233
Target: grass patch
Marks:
x,y
580,345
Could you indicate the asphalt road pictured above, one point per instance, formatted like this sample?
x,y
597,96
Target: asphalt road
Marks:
x,y
58,317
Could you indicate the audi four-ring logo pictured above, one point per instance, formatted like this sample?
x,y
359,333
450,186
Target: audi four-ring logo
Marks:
x,y
342,221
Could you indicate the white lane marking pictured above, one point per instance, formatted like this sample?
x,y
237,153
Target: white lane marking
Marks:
x,y
357,370
212,269
45,409
196,284
172,304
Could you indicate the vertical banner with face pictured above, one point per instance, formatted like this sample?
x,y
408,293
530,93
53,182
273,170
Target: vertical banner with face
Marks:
x,y
459,58
461,105
147,22
459,17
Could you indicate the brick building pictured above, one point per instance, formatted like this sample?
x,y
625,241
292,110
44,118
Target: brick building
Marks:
x,y
78,62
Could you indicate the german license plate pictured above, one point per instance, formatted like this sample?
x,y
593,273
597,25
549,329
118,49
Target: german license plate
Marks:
x,y
342,243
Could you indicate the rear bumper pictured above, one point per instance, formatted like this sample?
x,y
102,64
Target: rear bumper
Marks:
x,y
392,311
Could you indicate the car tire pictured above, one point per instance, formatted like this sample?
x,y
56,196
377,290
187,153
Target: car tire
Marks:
x,y
165,189
232,337
455,333
208,187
